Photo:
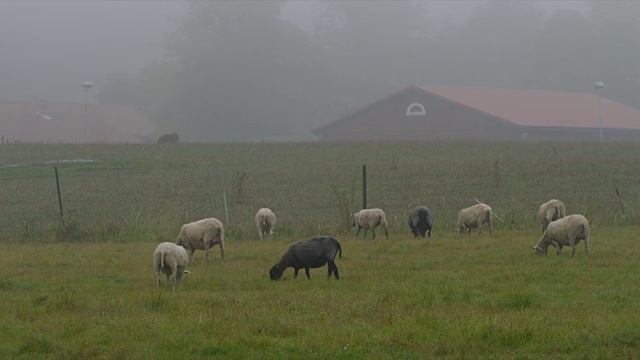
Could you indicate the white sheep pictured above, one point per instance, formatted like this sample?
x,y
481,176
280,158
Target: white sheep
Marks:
x,y
370,219
202,235
550,211
566,231
172,260
266,222
473,217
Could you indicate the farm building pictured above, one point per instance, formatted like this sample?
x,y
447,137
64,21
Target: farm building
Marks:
x,y
40,121
420,112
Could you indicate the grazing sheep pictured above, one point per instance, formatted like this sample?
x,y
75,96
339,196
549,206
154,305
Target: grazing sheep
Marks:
x,y
421,221
566,231
202,235
310,253
369,219
474,216
170,138
550,211
172,260
266,222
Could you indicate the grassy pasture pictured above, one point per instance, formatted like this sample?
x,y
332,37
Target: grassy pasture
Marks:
x,y
85,288
446,297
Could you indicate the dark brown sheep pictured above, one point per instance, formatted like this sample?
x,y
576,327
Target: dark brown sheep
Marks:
x,y
310,253
170,138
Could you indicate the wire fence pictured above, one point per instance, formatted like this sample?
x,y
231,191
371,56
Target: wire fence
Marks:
x,y
147,193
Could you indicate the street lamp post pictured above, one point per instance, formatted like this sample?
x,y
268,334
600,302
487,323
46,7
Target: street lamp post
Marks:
x,y
86,86
598,86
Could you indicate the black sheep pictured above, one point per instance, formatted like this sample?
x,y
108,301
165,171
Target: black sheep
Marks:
x,y
309,253
421,221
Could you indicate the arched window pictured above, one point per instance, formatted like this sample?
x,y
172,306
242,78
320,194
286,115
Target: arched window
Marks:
x,y
416,109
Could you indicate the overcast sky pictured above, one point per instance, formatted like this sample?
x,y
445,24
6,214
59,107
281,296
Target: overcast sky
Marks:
x,y
49,47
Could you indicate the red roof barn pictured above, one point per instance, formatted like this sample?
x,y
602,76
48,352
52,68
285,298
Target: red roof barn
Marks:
x,y
421,112
65,123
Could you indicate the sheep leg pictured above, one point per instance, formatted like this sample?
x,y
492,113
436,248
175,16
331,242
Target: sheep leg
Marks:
x,y
166,283
208,243
306,271
334,268
358,232
295,273
559,246
572,243
373,231
174,281
158,278
178,280
586,245
221,244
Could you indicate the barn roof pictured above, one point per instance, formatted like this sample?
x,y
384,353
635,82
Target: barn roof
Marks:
x,y
542,108
526,107
65,123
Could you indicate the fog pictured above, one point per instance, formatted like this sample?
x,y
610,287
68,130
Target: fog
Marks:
x,y
50,47
242,70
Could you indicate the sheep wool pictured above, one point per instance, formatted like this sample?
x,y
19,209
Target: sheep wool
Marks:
x,y
202,235
370,219
474,216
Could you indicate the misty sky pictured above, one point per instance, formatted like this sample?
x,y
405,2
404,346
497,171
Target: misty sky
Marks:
x,y
50,47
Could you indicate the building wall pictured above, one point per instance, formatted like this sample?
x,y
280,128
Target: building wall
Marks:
x,y
387,120
66,123
578,134
446,120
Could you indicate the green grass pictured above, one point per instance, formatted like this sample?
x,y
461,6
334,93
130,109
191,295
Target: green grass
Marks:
x,y
85,288
450,296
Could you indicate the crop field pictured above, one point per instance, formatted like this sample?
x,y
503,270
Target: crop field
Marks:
x,y
82,285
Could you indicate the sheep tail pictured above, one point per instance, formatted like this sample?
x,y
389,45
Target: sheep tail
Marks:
x,y
339,250
162,258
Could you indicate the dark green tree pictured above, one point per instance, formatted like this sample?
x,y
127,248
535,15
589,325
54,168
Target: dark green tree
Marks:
x,y
563,55
372,47
244,73
490,48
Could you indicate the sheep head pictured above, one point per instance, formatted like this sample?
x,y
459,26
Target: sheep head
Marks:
x,y
540,250
275,273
